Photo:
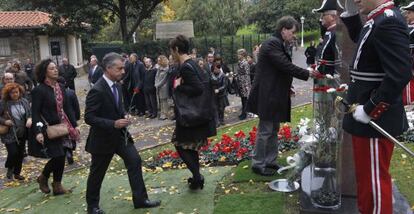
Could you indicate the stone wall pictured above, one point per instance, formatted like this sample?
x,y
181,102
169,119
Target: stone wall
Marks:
x,y
22,46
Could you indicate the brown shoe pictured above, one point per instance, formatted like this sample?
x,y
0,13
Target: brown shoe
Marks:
x,y
43,184
58,189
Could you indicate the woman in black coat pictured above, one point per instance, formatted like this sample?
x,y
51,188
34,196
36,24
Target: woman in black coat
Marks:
x,y
310,54
188,140
48,108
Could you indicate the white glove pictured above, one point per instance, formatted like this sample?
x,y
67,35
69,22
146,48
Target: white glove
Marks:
x,y
351,8
360,115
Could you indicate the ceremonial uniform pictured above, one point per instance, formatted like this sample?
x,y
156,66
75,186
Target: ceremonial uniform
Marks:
x,y
380,70
329,57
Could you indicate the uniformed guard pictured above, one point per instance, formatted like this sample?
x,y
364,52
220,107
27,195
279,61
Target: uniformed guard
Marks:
x,y
381,68
329,57
408,93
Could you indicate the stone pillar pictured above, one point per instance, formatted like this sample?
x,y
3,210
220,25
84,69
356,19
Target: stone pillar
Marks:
x,y
347,48
44,48
79,51
72,52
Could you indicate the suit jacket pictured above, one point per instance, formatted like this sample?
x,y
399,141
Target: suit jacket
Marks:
x,y
101,112
270,94
381,68
69,73
93,78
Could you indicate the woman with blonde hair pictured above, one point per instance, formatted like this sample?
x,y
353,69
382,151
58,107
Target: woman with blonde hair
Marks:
x,y
16,115
161,84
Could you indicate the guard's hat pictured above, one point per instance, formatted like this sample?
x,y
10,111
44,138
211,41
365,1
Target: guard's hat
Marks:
x,y
408,7
328,5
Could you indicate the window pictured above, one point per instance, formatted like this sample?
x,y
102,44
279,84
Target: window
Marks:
x,y
4,47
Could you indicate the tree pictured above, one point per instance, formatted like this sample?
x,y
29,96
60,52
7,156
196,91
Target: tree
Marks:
x,y
222,17
265,13
97,13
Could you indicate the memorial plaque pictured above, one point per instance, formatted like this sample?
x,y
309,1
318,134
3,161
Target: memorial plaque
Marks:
x,y
169,30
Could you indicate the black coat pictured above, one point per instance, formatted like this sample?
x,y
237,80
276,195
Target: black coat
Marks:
x,y
149,80
44,104
310,54
69,73
192,86
270,94
101,112
380,73
93,78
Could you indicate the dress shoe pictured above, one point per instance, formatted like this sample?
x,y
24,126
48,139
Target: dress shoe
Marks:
x,y
148,204
196,184
263,172
19,177
242,116
141,114
153,116
43,184
58,189
95,210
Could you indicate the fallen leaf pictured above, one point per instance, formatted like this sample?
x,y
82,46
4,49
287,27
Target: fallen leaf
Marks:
x,y
245,167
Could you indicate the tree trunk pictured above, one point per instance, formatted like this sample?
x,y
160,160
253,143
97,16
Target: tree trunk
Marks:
x,y
123,21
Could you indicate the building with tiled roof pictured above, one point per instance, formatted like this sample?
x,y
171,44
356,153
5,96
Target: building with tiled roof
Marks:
x,y
23,19
24,35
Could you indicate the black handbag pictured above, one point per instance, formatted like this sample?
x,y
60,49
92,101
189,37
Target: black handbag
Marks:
x,y
193,111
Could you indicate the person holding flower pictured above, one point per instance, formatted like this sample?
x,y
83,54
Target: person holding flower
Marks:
x,y
270,94
49,107
15,113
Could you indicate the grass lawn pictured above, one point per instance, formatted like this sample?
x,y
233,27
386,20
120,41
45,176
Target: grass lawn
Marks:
x,y
231,189
402,171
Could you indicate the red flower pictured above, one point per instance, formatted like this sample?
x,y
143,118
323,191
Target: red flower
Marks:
x,y
175,155
321,89
296,138
226,149
215,149
136,90
240,134
236,145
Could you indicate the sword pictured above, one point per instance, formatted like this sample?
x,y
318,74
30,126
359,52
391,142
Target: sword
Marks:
x,y
351,109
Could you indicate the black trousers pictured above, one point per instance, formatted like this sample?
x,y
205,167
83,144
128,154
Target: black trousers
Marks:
x,y
244,105
56,166
15,156
139,101
151,102
100,163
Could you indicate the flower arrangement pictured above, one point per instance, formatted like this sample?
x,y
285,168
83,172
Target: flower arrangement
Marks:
x,y
231,150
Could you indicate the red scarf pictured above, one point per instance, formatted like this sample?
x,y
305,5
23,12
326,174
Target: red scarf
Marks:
x,y
73,133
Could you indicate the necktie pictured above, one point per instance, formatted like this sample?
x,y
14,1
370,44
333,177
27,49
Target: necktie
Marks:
x,y
115,93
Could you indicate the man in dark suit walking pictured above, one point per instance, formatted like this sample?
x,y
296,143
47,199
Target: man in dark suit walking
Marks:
x,y
108,136
95,72
270,94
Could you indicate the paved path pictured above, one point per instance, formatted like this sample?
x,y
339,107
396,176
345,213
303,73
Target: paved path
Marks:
x,y
147,132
